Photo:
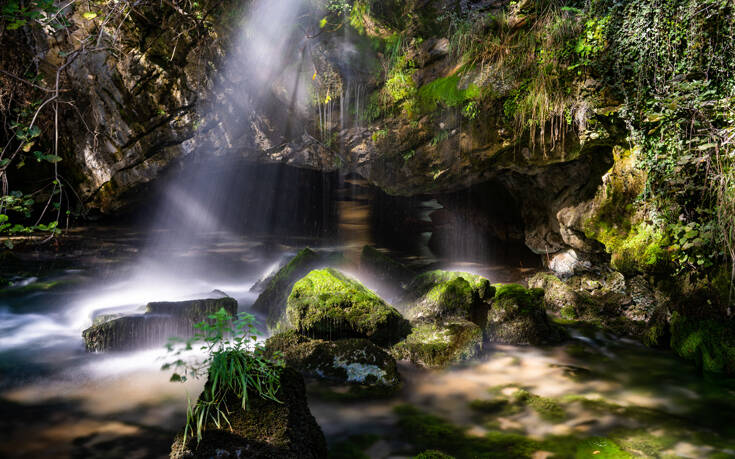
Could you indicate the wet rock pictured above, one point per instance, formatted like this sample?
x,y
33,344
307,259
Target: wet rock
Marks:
x,y
355,361
439,295
517,316
161,321
272,300
442,343
267,429
327,304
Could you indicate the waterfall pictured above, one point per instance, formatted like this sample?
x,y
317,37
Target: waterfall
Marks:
x,y
263,72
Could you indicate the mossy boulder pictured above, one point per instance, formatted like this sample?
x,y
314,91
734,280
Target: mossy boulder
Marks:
x,y
272,300
327,304
162,320
518,316
441,344
352,361
439,295
267,429
708,342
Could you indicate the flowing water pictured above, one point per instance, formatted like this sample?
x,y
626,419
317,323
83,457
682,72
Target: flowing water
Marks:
x,y
59,401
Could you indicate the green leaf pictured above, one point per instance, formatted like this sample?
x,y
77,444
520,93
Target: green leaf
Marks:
x,y
52,158
89,15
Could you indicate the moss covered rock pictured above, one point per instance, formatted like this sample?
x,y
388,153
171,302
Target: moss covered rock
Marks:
x,y
441,344
161,321
439,295
517,316
266,430
353,361
272,300
329,305
708,342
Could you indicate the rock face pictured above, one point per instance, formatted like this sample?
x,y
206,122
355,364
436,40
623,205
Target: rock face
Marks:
x,y
160,322
272,300
267,430
626,306
326,304
518,316
354,361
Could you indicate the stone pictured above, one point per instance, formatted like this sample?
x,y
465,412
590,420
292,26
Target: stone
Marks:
x,y
267,429
161,321
438,295
440,344
352,361
272,300
327,304
517,316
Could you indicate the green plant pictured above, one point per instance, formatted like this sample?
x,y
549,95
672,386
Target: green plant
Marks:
x,y
235,364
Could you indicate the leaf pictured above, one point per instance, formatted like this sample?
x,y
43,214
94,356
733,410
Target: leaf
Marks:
x,y
323,23
89,15
52,158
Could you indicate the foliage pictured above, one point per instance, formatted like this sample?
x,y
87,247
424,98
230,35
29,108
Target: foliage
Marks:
x,y
673,63
234,363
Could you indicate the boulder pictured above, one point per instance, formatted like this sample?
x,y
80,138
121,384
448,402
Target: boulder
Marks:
x,y
441,344
517,316
267,429
439,295
352,361
161,321
275,289
327,304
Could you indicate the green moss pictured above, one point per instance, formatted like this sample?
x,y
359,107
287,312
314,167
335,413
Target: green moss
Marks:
x,y
620,223
547,408
445,91
568,312
439,345
433,454
600,447
353,448
709,343
435,433
327,304
440,295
